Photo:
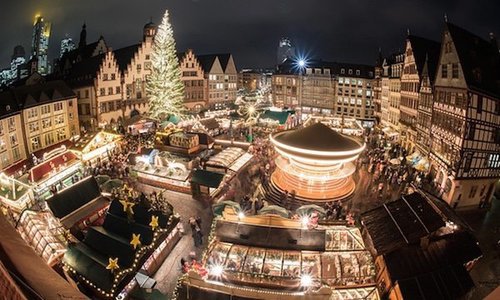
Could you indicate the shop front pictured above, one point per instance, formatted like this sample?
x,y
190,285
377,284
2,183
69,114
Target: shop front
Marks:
x,y
93,146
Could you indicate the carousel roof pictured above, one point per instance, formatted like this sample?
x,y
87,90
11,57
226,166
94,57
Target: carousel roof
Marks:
x,y
318,138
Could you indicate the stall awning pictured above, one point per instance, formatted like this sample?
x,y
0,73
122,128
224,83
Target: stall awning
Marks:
x,y
207,178
280,116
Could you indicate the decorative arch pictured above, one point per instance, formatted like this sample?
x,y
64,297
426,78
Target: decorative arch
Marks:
x,y
134,113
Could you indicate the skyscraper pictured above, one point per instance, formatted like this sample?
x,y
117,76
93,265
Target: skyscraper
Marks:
x,y
18,63
285,50
67,45
40,45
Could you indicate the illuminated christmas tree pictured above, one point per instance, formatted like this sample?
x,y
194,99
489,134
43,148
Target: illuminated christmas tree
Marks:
x,y
165,88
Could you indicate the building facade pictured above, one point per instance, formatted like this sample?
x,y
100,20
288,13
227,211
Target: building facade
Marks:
x,y
465,148
67,45
195,85
40,45
417,48
354,91
38,115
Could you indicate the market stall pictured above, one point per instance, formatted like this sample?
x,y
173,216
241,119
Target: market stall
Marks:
x,y
224,159
44,233
177,141
15,194
56,171
139,124
95,145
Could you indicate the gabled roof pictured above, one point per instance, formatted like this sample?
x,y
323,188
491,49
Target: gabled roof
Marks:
x,y
423,48
31,95
452,282
224,60
207,61
125,55
84,72
401,222
480,60
74,197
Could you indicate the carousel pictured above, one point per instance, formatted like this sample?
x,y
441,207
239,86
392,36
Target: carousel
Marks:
x,y
315,163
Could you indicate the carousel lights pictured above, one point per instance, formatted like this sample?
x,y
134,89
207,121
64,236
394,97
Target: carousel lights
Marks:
x,y
322,162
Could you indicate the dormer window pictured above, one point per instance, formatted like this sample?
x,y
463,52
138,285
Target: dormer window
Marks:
x,y
7,107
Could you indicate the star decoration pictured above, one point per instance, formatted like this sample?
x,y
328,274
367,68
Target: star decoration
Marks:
x,y
113,264
127,206
135,240
154,222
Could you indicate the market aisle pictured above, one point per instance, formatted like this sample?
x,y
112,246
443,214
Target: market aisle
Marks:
x,y
186,206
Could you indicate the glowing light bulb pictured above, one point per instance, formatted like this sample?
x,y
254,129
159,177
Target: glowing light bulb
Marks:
x,y
306,280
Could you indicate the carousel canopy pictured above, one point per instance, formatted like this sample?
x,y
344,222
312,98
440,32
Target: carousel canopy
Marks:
x,y
317,137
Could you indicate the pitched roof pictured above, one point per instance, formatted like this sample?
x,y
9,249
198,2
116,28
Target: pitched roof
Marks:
x,y
74,197
289,66
84,72
206,61
423,48
125,55
452,282
401,222
25,96
207,178
224,60
480,60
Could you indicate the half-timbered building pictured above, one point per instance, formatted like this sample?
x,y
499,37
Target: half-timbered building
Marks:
x,y
465,152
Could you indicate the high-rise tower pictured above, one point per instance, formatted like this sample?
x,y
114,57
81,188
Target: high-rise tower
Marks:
x,y
67,45
40,45
285,50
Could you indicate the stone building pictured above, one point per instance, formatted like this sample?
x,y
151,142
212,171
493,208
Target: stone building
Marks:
x,y
37,115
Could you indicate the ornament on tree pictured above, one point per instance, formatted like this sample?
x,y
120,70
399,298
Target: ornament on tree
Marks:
x,y
165,87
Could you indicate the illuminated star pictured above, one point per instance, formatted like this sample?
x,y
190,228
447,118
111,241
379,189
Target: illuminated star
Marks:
x,y
112,264
124,204
135,240
154,222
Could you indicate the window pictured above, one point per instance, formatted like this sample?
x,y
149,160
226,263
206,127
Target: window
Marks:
x,y
139,67
13,140
35,143
1,127
16,154
70,103
479,104
32,113
113,76
105,77
358,72
111,106
444,71
350,72
473,191
118,90
110,91
3,145
342,71
86,93
147,65
33,127
58,106
45,109
454,71
46,123
59,120
102,91
12,124
49,138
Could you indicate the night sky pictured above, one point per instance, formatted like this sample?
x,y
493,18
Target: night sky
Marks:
x,y
348,30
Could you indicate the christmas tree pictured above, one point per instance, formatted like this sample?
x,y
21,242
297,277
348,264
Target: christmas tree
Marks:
x,y
165,88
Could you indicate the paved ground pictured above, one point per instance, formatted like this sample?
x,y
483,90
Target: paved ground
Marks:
x,y
486,224
186,206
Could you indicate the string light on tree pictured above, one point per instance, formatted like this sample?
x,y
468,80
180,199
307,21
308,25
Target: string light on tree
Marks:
x,y
165,88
